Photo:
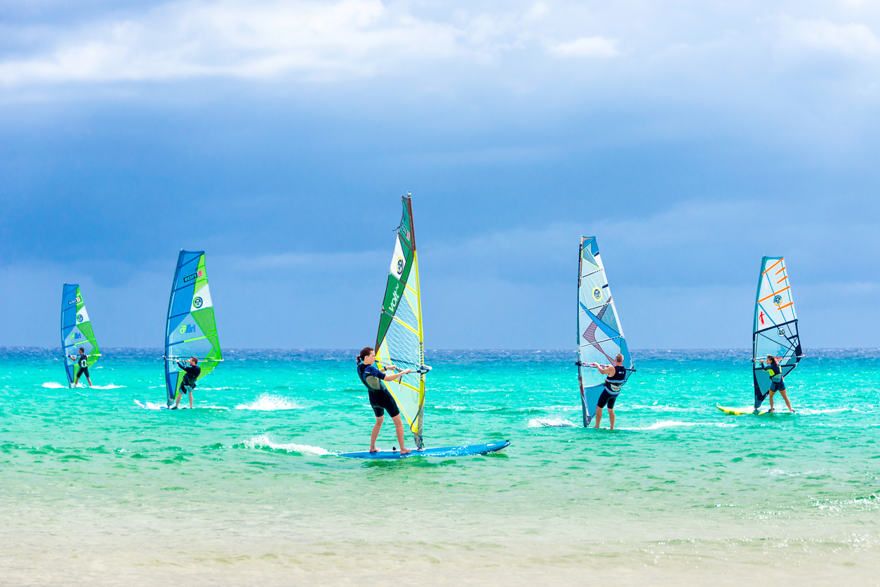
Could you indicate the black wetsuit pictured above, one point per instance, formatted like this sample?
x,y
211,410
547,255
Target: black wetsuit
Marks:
x,y
612,387
380,398
192,373
82,366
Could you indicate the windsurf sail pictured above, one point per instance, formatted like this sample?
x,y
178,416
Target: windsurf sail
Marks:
x,y
775,329
400,340
600,335
190,329
76,329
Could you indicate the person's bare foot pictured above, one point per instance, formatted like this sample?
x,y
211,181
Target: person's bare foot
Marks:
x,y
405,451
373,449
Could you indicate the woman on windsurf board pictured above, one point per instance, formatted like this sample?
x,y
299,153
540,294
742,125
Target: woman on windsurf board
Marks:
x,y
192,372
82,366
777,383
380,398
615,377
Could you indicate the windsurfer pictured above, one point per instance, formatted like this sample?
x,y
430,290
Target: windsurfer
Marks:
x,y
381,399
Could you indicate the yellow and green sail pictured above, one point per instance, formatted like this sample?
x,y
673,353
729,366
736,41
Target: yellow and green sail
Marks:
x,y
400,340
190,329
76,329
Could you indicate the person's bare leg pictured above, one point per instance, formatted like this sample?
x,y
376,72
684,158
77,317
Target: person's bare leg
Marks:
x,y
611,417
190,394
771,400
398,425
375,434
598,416
89,379
787,403
177,400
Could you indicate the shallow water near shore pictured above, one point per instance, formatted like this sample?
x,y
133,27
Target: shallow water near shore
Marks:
x,y
101,486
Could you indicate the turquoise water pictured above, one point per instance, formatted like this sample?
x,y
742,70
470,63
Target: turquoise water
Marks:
x,y
100,486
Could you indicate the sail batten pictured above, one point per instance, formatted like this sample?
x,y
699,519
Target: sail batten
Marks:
x,y
76,329
400,339
775,326
600,335
190,325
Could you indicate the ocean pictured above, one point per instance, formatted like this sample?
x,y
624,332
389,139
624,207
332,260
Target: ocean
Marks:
x,y
101,487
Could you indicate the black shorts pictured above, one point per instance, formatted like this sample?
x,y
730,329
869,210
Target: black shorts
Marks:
x,y
82,371
777,386
381,401
186,388
607,399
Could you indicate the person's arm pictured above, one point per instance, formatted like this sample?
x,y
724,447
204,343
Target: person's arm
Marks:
x,y
397,375
606,370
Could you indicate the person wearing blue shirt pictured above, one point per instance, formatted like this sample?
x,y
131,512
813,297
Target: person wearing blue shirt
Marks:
x,y
381,399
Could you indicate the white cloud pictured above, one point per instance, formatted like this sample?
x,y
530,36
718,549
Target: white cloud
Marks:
x,y
237,39
585,47
851,40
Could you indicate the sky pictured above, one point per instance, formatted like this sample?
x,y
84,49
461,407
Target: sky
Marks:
x,y
692,137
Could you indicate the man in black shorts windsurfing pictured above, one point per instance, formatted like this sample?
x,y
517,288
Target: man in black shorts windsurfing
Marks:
x,y
82,366
381,399
188,385
615,377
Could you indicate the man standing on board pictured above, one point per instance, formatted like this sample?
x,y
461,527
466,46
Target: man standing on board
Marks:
x,y
380,398
82,366
192,372
777,382
615,377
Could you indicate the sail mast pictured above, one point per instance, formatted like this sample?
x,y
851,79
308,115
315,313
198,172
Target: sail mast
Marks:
x,y
400,338
775,325
600,335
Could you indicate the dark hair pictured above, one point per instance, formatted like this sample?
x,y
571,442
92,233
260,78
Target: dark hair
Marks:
x,y
82,349
365,352
194,359
773,360
618,358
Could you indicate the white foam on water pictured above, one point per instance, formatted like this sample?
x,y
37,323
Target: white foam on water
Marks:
x,y
149,405
663,424
108,386
54,385
659,408
269,403
263,441
813,412
550,423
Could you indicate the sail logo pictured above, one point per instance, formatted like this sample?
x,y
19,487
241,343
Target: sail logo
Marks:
x,y
79,318
777,299
400,265
597,294
761,317
781,332
197,302
186,328
77,335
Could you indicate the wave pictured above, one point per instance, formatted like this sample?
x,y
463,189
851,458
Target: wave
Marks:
x,y
550,423
162,406
54,385
108,386
663,424
659,408
816,412
270,403
263,442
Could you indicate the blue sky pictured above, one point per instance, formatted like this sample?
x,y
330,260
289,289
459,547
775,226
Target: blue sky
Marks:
x,y
692,138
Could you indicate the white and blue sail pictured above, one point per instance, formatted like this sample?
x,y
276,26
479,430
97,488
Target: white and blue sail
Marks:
x,y
600,335
775,330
